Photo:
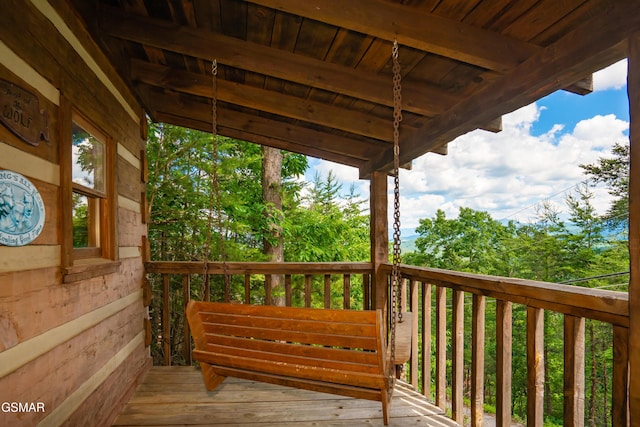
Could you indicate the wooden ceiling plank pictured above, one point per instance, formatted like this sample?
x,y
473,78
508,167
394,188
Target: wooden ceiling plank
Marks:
x,y
418,29
352,121
419,98
595,44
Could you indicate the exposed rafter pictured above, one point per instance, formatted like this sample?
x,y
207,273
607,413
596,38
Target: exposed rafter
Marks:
x,y
593,45
259,129
419,97
327,115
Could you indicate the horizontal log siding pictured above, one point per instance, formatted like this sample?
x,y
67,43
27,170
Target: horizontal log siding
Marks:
x,y
80,347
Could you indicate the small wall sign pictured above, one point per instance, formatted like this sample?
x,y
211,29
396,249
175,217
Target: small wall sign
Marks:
x,y
20,113
21,210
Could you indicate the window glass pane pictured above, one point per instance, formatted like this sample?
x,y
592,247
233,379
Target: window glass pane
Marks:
x,y
88,159
86,216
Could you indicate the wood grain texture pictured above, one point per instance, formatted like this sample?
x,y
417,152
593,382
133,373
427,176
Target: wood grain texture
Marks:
x,y
334,351
177,396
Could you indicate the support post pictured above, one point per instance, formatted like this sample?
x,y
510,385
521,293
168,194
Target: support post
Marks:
x,y
379,235
633,90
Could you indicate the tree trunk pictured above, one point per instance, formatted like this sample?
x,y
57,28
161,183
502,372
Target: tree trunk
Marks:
x,y
273,244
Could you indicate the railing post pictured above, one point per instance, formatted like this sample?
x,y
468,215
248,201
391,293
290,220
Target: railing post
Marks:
x,y
573,371
535,367
477,360
633,91
504,342
620,387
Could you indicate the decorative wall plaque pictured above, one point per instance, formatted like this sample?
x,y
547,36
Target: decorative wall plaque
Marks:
x,y
21,210
20,112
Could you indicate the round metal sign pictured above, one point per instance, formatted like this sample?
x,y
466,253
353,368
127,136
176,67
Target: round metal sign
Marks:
x,y
21,210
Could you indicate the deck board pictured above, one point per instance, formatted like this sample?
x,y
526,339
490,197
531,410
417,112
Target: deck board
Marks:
x,y
176,396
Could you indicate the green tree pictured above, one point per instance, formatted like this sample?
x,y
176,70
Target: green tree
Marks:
x,y
471,242
614,172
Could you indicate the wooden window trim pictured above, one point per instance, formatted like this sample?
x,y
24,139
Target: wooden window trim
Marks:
x,y
83,263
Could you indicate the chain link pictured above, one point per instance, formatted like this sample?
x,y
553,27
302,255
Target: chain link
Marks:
x,y
396,295
215,187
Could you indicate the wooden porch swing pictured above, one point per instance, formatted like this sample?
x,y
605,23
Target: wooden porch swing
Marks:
x,y
342,352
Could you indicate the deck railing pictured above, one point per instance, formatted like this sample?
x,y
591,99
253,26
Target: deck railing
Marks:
x,y
442,373
320,285
439,298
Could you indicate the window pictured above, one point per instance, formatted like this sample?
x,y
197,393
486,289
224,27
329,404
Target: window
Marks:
x,y
91,217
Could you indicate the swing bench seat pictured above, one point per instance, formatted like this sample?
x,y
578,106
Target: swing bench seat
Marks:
x,y
332,351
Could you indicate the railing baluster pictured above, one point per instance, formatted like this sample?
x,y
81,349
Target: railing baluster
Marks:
x,y
535,366
504,342
366,284
327,291
346,293
426,339
477,360
206,284
247,288
457,348
573,371
267,289
186,296
413,300
166,327
620,401
287,290
441,347
307,290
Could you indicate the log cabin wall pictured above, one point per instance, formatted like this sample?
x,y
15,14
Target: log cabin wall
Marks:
x,y
72,337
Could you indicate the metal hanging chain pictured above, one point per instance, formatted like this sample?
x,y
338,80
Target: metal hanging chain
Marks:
x,y
215,186
396,295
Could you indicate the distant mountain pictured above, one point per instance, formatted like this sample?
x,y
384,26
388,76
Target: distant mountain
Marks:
x,y
408,243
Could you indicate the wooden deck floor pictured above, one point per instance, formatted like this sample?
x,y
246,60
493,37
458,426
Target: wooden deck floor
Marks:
x,y
172,396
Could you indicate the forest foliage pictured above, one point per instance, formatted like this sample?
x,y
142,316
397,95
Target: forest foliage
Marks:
x,y
320,225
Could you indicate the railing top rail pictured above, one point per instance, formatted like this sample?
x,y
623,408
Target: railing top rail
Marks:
x,y
598,304
215,267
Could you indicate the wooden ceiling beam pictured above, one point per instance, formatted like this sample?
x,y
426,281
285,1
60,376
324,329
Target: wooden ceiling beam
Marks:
x,y
415,28
581,87
327,115
419,98
593,45
323,145
261,139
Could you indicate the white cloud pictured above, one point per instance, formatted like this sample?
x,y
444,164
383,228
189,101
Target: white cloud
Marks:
x,y
505,174
611,77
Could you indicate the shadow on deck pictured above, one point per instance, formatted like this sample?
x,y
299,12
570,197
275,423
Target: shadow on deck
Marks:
x,y
176,395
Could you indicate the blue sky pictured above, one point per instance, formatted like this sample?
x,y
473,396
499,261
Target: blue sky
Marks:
x,y
535,158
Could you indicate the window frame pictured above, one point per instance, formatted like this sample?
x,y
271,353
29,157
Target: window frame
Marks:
x,y
82,263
